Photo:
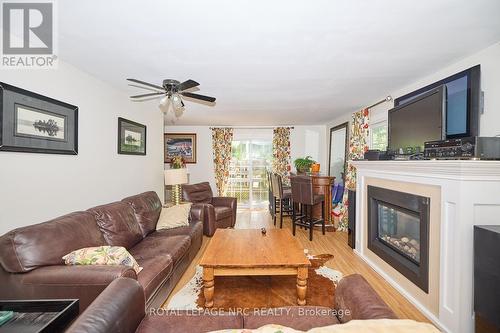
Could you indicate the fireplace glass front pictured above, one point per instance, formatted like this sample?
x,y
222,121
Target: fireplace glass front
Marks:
x,y
400,230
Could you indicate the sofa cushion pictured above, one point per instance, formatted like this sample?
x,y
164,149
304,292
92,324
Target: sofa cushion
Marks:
x,y
194,230
118,224
43,244
300,318
189,321
198,193
147,208
222,212
155,271
157,244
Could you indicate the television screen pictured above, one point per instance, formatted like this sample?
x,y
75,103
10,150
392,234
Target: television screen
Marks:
x,y
417,121
463,98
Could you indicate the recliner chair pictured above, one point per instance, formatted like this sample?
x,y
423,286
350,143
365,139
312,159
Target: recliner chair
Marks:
x,y
219,212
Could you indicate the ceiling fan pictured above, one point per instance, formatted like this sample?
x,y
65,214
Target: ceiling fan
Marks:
x,y
173,92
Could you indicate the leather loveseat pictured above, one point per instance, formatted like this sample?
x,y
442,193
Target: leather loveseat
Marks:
x,y
354,299
31,257
220,212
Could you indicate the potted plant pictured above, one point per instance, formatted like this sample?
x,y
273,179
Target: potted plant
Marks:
x,y
303,164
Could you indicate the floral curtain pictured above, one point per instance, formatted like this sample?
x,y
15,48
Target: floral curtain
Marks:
x,y
221,145
281,153
358,144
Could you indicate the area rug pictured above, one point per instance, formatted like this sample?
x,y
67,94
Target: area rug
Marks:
x,y
253,292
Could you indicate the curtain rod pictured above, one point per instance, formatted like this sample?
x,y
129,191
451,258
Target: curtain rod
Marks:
x,y
387,99
252,127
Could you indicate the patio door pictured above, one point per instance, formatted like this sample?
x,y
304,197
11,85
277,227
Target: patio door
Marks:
x,y
247,176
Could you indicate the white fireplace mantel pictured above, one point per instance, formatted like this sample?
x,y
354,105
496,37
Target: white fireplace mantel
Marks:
x,y
466,170
470,195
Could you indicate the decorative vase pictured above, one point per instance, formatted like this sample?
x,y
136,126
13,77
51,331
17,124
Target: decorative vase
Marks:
x,y
315,168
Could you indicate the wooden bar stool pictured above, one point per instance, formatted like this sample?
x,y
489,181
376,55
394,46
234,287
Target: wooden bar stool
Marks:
x,y
283,198
302,194
272,199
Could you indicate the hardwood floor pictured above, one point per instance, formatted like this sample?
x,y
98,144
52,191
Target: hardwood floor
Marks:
x,y
333,242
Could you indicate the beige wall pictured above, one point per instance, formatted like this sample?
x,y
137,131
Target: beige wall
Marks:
x,y
490,84
38,187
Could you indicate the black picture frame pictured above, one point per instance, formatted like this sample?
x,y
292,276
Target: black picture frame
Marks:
x,y
33,123
137,132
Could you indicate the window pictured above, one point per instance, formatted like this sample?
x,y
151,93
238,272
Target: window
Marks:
x,y
378,136
247,172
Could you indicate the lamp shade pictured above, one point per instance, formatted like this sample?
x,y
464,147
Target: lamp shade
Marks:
x,y
176,176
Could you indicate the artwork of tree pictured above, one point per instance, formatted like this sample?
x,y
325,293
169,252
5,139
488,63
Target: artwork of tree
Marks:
x,y
50,127
130,139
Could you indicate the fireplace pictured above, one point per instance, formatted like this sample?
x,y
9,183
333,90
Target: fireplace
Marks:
x,y
398,232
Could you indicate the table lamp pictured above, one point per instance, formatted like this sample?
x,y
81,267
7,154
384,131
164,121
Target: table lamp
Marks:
x,y
176,177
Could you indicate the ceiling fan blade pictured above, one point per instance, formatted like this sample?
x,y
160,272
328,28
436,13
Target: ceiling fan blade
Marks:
x,y
197,96
145,88
146,84
187,84
148,95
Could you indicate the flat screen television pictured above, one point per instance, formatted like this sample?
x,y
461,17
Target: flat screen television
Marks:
x,y
419,120
463,95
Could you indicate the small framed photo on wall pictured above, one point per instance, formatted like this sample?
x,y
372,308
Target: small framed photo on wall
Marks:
x,y
180,144
131,137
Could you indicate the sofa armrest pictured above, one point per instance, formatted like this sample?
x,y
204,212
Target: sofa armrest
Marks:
x,y
119,308
356,299
208,213
84,283
197,213
77,274
224,201
227,202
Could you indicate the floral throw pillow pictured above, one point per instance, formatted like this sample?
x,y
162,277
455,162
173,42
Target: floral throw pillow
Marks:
x,y
102,255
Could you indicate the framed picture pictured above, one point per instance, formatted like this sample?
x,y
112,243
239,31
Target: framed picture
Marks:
x,y
180,144
33,123
131,137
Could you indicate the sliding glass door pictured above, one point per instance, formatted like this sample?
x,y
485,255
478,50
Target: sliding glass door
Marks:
x,y
247,175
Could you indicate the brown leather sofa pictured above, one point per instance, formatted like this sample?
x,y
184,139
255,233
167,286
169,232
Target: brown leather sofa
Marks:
x,y
120,308
220,212
31,257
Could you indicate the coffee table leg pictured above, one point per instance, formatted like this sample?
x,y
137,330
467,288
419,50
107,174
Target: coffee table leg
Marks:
x,y
208,283
301,285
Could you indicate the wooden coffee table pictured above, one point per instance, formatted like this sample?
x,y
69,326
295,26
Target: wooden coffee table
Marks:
x,y
243,252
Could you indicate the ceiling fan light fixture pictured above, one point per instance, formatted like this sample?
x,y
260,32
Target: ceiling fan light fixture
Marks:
x,y
164,102
172,91
177,102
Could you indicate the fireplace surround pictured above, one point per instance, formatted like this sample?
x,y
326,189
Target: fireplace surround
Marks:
x,y
398,232
462,194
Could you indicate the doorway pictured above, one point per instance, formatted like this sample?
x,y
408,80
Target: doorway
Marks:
x,y
247,173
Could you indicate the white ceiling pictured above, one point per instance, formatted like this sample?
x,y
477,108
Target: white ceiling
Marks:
x,y
274,62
